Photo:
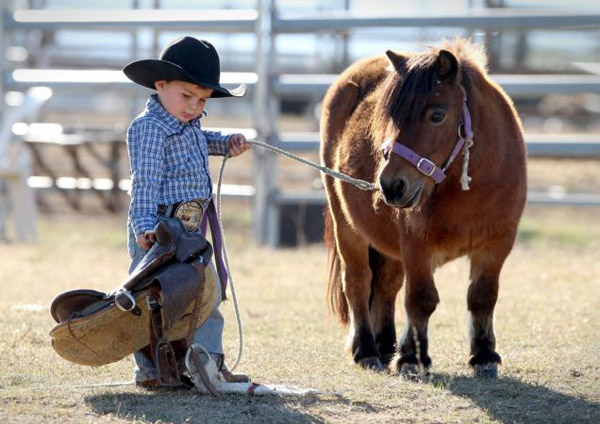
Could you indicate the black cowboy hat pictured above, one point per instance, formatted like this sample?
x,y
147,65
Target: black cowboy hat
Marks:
x,y
185,59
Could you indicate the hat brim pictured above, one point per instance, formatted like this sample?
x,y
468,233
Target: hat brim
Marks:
x,y
146,72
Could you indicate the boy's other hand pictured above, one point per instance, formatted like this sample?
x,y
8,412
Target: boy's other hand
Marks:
x,y
238,145
146,240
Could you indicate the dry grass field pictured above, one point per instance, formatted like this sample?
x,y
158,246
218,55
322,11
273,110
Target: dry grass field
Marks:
x,y
547,323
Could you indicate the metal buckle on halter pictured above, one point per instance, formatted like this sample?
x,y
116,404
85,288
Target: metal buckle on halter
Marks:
x,y
428,163
124,300
190,213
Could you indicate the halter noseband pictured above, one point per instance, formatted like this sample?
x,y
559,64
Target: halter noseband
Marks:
x,y
426,166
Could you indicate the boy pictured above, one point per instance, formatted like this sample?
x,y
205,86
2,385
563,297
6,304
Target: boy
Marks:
x,y
168,154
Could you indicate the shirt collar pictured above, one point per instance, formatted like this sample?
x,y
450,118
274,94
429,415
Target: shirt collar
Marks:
x,y
154,107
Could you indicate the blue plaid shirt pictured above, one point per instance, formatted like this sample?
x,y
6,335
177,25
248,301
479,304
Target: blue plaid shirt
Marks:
x,y
169,162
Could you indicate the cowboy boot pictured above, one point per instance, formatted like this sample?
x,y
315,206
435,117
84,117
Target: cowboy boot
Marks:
x,y
232,378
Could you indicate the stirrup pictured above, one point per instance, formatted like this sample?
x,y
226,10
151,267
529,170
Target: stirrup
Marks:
x,y
206,377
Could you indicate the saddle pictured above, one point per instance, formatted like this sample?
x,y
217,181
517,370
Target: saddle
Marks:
x,y
167,296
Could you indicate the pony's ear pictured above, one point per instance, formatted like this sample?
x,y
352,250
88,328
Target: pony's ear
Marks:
x,y
397,61
447,65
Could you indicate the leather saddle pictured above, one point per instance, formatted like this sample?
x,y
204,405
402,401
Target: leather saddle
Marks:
x,y
168,295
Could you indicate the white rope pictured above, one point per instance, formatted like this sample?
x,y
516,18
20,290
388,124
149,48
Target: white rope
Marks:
x,y
464,178
236,306
363,185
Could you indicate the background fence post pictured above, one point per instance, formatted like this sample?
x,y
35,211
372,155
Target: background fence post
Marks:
x,y
3,203
264,210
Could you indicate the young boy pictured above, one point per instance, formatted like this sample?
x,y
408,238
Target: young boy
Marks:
x,y
168,154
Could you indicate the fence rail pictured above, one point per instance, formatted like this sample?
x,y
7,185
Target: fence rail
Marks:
x,y
493,19
543,198
304,85
238,20
515,85
573,146
77,79
106,19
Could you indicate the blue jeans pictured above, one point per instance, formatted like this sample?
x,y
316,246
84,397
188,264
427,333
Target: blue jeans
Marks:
x,y
209,335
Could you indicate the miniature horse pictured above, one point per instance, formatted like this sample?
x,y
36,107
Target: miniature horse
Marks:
x,y
401,121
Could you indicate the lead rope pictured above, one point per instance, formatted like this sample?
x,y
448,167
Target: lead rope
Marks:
x,y
363,185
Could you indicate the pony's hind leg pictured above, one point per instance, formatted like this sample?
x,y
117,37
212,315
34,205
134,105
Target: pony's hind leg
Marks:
x,y
481,301
387,279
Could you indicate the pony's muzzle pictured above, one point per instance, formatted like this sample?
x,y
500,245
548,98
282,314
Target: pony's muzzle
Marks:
x,y
393,189
397,192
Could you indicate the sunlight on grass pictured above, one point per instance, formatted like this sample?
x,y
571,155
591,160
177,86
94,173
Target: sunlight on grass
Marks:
x,y
561,227
546,323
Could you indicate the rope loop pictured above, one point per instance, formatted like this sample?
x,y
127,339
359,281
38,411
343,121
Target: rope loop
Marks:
x,y
363,185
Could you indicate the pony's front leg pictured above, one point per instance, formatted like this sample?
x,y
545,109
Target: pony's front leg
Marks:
x,y
356,282
481,301
388,276
420,301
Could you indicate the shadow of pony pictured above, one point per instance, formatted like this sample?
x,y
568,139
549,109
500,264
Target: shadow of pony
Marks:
x,y
513,401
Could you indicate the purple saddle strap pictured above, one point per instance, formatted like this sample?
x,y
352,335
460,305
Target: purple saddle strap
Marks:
x,y
211,217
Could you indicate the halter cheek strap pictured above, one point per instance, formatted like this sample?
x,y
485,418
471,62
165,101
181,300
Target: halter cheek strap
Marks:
x,y
426,166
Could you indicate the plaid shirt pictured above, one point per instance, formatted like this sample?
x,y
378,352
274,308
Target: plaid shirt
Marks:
x,y
169,162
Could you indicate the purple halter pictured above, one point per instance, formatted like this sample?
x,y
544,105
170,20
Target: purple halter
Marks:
x,y
426,166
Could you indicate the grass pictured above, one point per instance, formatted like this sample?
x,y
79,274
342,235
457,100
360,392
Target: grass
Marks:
x,y
547,324
561,226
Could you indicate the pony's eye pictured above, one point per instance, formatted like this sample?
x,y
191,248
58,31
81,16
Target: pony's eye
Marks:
x,y
385,153
437,117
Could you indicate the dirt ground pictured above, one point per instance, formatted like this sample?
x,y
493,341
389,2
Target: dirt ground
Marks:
x,y
547,324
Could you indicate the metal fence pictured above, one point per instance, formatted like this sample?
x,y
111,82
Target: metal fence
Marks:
x,y
270,86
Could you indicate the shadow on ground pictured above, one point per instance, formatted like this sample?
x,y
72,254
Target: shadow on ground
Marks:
x,y
512,401
189,408
506,400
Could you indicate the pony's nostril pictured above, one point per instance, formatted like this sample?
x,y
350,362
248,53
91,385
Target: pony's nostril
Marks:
x,y
399,186
394,189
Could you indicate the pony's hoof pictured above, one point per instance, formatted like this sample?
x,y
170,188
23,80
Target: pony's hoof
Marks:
x,y
486,370
371,363
410,371
413,372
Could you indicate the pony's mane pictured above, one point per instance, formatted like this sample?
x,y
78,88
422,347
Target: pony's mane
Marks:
x,y
404,95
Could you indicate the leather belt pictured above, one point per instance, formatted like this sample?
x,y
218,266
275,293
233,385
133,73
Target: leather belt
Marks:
x,y
190,213
163,209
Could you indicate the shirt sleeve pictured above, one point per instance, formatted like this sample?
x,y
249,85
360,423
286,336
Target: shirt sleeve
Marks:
x,y
146,149
218,144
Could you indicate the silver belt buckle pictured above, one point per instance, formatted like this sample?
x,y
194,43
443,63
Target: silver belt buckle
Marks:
x,y
190,214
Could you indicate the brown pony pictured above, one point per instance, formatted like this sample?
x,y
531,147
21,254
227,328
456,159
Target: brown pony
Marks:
x,y
400,121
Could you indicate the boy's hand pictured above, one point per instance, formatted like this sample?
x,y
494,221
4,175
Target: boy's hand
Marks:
x,y
146,240
238,145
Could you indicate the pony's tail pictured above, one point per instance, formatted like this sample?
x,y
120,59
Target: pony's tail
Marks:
x,y
335,294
